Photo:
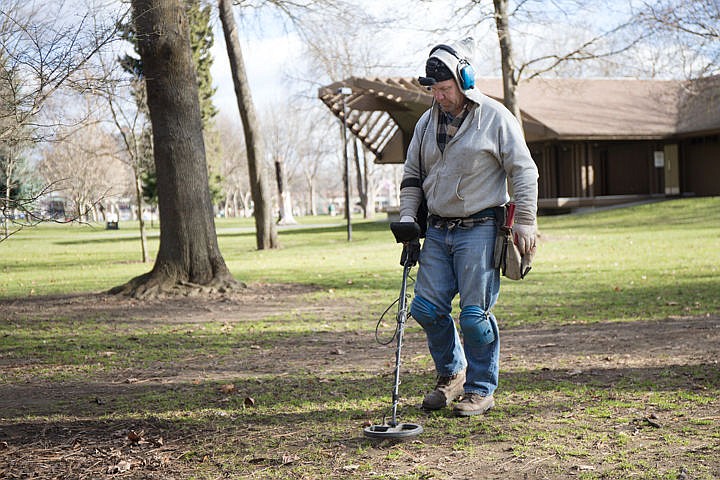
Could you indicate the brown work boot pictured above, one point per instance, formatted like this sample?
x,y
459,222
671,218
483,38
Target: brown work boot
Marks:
x,y
446,391
473,404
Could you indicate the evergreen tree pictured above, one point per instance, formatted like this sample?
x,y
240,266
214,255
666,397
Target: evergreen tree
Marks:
x,y
201,41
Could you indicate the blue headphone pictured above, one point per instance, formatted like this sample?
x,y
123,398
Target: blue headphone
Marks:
x,y
465,72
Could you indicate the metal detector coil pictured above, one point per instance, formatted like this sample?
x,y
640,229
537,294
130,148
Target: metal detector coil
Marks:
x,y
401,430
404,232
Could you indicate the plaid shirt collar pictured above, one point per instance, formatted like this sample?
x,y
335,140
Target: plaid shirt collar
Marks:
x,y
449,125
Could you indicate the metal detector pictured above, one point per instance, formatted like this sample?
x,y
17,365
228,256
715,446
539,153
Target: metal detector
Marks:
x,y
404,232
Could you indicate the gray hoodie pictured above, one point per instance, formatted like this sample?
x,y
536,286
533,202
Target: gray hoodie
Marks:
x,y
472,172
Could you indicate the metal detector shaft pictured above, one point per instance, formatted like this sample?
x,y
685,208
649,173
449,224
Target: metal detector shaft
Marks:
x,y
401,318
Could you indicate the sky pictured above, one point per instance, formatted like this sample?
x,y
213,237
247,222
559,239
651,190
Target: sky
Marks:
x,y
265,60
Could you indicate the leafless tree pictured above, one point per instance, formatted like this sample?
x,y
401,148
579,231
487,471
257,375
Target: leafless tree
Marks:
x,y
121,97
44,47
85,165
507,57
693,26
188,256
233,168
15,207
590,40
284,132
305,18
266,234
11,157
315,153
347,56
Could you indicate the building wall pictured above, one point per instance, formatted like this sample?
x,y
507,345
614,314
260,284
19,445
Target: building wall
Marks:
x,y
626,168
587,169
700,166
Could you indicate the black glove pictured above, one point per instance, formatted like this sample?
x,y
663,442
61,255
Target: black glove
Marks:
x,y
410,253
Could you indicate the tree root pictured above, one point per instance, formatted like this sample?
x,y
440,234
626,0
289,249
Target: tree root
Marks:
x,y
153,285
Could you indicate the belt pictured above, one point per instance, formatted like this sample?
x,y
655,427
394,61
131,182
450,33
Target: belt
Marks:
x,y
451,222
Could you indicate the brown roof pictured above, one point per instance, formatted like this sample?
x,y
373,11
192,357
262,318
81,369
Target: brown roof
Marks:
x,y
577,108
699,106
552,109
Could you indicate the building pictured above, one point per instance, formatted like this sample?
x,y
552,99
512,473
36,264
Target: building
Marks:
x,y
595,141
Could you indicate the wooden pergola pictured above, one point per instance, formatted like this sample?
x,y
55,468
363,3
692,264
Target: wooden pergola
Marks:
x,y
382,113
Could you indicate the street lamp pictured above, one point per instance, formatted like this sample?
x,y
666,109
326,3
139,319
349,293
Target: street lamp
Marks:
x,y
344,92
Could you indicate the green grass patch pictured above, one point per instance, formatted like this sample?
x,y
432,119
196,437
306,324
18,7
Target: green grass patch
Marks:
x,y
650,261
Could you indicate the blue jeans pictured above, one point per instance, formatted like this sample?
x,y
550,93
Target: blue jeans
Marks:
x,y
460,260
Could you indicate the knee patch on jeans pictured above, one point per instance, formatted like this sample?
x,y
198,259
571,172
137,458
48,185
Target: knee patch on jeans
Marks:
x,y
424,312
476,326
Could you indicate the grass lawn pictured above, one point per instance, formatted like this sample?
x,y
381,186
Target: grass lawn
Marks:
x,y
608,368
645,262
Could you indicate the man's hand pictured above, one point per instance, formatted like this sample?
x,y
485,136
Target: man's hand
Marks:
x,y
410,253
524,237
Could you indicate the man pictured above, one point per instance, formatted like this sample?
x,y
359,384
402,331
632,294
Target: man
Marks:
x,y
464,150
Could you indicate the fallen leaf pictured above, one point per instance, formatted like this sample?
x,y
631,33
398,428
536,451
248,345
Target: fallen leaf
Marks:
x,y
121,467
134,436
249,402
286,459
337,351
652,423
584,468
227,388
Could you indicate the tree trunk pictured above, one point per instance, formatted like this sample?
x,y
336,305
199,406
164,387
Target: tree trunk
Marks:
x,y
265,231
362,193
365,181
5,210
141,220
285,203
311,193
506,54
188,256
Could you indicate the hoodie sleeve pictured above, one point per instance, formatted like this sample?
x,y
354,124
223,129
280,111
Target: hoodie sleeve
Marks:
x,y
411,193
520,168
